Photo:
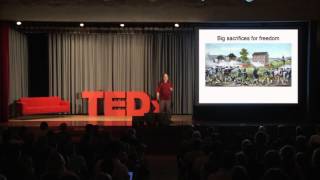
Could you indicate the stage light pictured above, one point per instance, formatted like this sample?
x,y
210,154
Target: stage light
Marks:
x,y
19,23
249,1
81,24
121,25
176,25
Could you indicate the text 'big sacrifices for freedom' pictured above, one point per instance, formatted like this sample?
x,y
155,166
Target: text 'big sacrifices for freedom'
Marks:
x,y
247,38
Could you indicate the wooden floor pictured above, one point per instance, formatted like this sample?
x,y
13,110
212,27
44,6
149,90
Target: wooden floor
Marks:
x,y
82,120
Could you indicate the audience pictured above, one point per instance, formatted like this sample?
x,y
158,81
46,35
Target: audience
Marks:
x,y
271,153
46,154
205,153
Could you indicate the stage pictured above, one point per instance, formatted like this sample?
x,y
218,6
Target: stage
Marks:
x,y
82,120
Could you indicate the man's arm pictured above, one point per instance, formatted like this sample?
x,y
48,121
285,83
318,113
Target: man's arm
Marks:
x,y
158,91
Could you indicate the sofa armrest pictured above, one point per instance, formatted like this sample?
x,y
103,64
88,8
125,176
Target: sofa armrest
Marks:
x,y
20,106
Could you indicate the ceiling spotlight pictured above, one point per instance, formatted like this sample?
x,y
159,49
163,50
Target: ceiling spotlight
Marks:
x,y
249,1
176,25
19,23
203,0
81,24
121,25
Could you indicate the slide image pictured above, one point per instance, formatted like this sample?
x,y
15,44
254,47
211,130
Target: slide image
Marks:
x,y
244,64
248,66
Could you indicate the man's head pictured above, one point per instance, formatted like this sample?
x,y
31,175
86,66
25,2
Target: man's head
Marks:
x,y
165,77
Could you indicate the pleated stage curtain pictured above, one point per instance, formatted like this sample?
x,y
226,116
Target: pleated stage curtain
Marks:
x,y
122,61
18,68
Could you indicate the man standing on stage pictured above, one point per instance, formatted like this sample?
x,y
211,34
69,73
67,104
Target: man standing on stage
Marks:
x,y
164,92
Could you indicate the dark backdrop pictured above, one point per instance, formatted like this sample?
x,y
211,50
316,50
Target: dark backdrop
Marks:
x,y
38,64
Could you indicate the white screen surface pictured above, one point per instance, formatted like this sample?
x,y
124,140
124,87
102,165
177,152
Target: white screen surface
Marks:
x,y
265,72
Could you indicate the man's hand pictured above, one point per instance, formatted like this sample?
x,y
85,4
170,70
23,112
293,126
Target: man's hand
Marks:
x,y
171,89
158,96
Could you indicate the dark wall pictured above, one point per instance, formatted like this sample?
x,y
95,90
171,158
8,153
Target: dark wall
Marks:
x,y
38,65
314,73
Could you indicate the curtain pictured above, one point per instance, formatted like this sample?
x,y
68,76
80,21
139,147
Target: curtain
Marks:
x,y
174,53
18,68
121,61
4,71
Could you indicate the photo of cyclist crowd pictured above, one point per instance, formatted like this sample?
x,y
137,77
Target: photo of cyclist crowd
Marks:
x,y
258,65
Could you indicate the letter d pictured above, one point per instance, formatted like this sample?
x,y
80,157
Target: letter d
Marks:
x,y
145,103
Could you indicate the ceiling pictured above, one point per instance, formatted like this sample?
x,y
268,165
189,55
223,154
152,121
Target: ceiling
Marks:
x,y
157,10
194,3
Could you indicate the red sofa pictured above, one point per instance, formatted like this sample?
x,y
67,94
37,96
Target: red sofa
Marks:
x,y
43,105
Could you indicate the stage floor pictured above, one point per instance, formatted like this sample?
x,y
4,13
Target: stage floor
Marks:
x,y
82,120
